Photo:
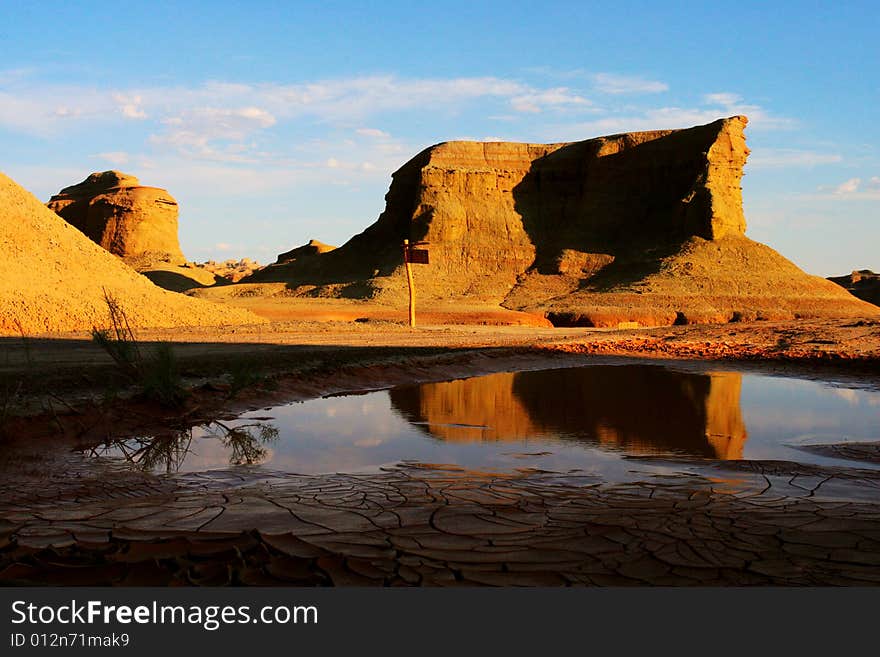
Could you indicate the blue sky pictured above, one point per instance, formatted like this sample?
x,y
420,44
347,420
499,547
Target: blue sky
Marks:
x,y
273,123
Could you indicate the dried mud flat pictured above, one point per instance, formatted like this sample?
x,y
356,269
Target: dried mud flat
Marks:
x,y
64,521
755,524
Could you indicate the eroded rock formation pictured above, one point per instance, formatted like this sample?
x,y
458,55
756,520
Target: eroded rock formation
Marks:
x,y
314,247
53,278
643,227
136,223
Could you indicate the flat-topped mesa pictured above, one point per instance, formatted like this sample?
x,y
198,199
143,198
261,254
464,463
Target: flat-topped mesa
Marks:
x,y
643,227
134,222
611,195
498,209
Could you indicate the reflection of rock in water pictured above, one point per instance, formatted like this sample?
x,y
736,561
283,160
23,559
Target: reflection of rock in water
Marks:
x,y
482,408
643,409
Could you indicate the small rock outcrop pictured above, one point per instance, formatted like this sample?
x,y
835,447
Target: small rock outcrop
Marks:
x,y
134,222
862,283
642,227
314,247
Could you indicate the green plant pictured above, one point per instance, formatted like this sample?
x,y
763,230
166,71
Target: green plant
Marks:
x,y
118,340
242,374
9,391
156,373
160,376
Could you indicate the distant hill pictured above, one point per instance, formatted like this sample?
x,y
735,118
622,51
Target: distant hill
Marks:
x,y
862,283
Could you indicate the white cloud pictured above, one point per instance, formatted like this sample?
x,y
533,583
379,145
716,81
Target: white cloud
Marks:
x,y
609,83
849,190
770,158
664,118
731,104
557,98
723,98
35,108
215,133
372,132
130,106
848,187
670,118
117,158
44,111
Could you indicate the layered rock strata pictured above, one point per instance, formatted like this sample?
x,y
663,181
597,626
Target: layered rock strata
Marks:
x,y
643,227
134,222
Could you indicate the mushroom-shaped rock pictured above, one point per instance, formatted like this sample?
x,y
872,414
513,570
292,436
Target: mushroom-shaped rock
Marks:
x,y
134,222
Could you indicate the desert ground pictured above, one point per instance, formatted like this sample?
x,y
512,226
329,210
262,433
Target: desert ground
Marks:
x,y
66,521
117,355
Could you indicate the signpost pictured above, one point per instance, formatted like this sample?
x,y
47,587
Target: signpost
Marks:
x,y
413,255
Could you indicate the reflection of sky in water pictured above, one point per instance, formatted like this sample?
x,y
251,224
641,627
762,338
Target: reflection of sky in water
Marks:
x,y
780,412
577,419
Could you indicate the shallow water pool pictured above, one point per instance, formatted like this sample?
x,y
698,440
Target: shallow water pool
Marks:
x,y
578,419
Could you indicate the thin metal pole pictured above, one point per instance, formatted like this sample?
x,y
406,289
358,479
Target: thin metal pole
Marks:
x,y
410,283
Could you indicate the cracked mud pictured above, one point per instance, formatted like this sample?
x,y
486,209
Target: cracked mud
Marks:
x,y
716,523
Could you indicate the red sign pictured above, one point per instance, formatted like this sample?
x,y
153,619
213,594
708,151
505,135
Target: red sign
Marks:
x,y
416,256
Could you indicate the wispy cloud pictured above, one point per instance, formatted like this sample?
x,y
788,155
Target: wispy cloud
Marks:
x,y
717,106
219,120
723,98
130,106
852,189
759,118
372,132
778,158
117,158
214,132
557,98
609,83
849,186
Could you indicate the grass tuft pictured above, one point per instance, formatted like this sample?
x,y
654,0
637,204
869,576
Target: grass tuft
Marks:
x,y
155,372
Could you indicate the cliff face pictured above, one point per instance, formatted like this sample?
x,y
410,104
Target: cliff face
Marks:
x,y
137,223
561,229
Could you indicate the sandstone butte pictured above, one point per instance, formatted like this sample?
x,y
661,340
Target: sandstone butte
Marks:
x,y
643,227
136,223
53,278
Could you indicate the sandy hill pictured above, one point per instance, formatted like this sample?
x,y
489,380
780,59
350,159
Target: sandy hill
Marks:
x,y
52,278
644,226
